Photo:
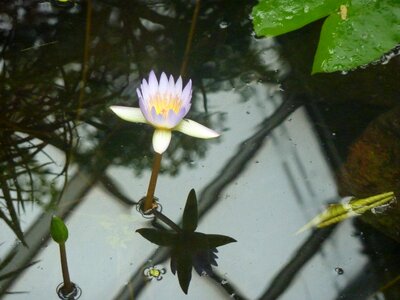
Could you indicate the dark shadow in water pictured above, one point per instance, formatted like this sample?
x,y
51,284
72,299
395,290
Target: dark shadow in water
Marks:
x,y
300,257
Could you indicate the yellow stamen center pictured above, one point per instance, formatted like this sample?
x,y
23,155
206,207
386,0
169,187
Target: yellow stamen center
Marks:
x,y
164,103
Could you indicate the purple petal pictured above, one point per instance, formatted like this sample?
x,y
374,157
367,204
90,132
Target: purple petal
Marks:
x,y
153,83
178,87
187,93
145,90
142,105
183,112
153,115
162,88
171,85
173,119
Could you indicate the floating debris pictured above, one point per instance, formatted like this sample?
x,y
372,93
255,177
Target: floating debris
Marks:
x,y
336,213
154,272
339,271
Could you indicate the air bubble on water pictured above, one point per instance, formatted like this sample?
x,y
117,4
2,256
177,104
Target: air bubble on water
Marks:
x,y
224,281
339,271
223,25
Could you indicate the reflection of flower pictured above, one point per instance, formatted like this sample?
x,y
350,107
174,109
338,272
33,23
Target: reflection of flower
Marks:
x,y
163,105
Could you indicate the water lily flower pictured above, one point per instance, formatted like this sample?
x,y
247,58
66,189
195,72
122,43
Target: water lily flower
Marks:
x,y
164,104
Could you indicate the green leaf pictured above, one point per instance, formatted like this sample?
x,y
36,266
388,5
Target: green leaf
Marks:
x,y
58,230
161,238
370,29
275,17
190,216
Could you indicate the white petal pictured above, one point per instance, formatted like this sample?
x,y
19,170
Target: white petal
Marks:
x,y
139,93
195,129
161,140
145,90
163,83
153,83
131,114
171,85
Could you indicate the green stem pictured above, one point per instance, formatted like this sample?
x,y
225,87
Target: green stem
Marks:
x,y
149,203
166,220
67,287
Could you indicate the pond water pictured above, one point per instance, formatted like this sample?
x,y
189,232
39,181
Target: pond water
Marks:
x,y
290,144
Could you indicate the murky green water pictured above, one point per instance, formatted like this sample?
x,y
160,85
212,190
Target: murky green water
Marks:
x,y
290,144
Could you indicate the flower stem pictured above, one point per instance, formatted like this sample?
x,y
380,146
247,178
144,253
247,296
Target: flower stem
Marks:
x,y
148,203
67,287
190,38
166,220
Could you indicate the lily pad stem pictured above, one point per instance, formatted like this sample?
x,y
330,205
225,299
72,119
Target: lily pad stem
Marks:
x,y
148,203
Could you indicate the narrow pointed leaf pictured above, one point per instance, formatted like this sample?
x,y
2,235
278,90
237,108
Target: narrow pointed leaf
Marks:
x,y
184,270
17,270
190,216
161,238
201,241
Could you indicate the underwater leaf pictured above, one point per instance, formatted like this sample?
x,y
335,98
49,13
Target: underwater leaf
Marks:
x,y
17,270
275,17
201,241
367,30
184,270
13,221
58,230
161,238
338,212
190,216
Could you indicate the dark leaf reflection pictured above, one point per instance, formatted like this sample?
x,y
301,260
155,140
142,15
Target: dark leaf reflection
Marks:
x,y
189,249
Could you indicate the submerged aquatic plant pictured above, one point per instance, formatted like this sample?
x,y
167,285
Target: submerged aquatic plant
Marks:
x,y
164,105
59,232
189,248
